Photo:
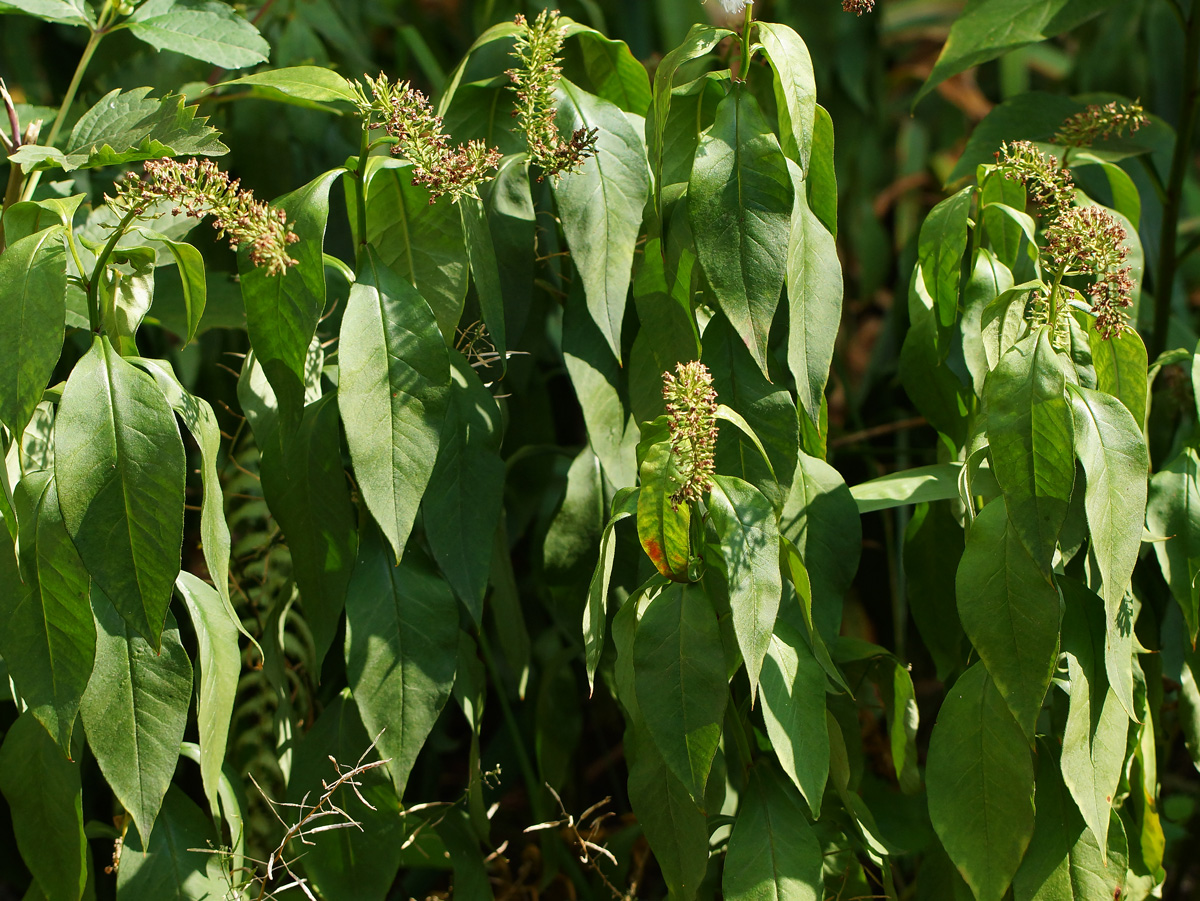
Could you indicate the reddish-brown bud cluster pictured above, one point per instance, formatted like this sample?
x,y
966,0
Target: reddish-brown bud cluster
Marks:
x,y
858,7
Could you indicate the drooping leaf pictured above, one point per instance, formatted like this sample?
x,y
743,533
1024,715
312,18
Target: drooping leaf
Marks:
x,y
193,284
175,864
1031,434
33,297
119,466
679,679
793,702
663,526
773,852
1115,460
1010,610
282,310
220,663
980,782
740,200
600,205
394,388
1173,512
45,797
127,127
748,539
135,710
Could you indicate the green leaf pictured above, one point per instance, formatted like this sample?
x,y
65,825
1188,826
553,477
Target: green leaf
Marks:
x,y
814,287
595,612
988,28
119,465
45,798
793,705
1033,116
348,864
463,502
127,127
740,206
1173,511
1093,748
941,246
989,280
1031,435
610,69
933,547
421,241
1010,610
511,221
314,84
600,205
401,649
64,12
203,30
33,297
175,865
663,529
936,482
394,389
998,196
485,270
821,178
1121,368
679,678
979,776
748,538
1003,323
220,663
135,710
773,852
282,310
1064,863
47,635
795,89
574,534
302,476
192,281
1115,460
936,389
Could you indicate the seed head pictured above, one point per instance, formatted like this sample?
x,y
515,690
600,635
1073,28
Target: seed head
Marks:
x,y
1049,185
1099,123
692,412
858,7
1090,241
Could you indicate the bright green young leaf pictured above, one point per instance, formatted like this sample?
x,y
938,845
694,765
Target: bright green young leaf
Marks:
x,y
607,68
33,298
202,29
304,475
1031,434
1173,512
25,217
795,89
814,289
195,288
127,127
663,528
1115,460
175,864
1002,323
773,852
315,84
942,244
996,194
1093,749
47,634
394,388
979,777
135,710
793,703
595,612
989,280
348,864
282,310
463,501
1064,863
119,466
1010,610
45,798
423,242
600,205
64,12
679,678
936,482
740,206
1121,367
485,270
748,539
220,663
401,649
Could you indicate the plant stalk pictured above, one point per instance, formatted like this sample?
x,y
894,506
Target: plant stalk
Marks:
x,y
744,74
93,289
1168,258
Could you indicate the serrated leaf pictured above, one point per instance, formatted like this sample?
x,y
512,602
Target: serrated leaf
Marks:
x,y
135,710
394,387
120,469
64,12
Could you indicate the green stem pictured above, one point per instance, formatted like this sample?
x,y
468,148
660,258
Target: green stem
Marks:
x,y
93,288
1053,301
745,67
1168,259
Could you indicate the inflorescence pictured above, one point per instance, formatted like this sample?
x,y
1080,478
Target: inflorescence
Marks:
x,y
406,114
198,188
1080,240
1099,123
858,7
534,81
692,412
